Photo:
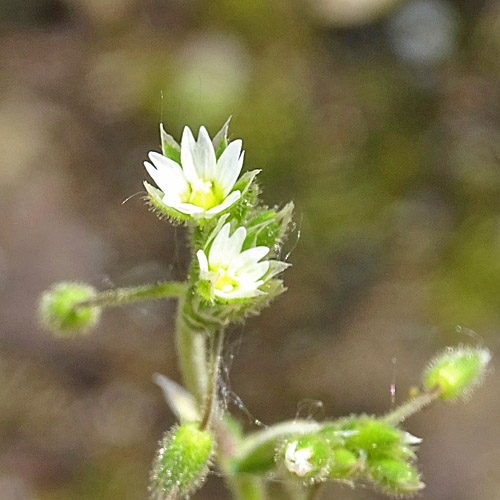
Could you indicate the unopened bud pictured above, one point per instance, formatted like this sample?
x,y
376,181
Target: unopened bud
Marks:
x,y
396,476
307,457
182,461
59,312
343,464
456,371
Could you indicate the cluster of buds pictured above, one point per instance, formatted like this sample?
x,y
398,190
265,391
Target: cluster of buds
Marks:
x,y
369,449
356,447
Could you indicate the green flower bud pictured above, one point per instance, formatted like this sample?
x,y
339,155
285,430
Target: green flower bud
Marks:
x,y
58,312
374,436
395,476
456,371
333,435
343,464
307,457
181,462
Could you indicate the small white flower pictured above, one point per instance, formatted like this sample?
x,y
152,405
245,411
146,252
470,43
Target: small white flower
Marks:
x,y
298,461
201,186
235,274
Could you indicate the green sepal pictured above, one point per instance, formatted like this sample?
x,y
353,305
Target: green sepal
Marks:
x,y
155,197
374,436
220,140
268,228
249,193
205,288
332,435
456,371
344,463
182,461
170,146
395,476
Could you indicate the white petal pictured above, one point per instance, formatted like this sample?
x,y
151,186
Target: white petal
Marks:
x,y
239,294
217,254
229,166
160,161
250,257
202,260
251,274
185,208
167,174
188,146
236,242
204,156
230,200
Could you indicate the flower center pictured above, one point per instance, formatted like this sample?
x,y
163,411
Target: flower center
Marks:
x,y
226,281
204,194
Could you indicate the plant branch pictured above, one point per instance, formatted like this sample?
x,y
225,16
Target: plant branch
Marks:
x,y
192,356
412,406
121,296
211,399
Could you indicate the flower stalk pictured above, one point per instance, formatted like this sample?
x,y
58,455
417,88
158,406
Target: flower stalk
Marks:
x,y
122,296
412,406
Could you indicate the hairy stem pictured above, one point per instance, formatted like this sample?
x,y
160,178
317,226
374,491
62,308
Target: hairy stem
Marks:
x,y
121,296
212,394
412,406
192,356
278,432
247,488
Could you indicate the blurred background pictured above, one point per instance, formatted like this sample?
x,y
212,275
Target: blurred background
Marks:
x,y
379,118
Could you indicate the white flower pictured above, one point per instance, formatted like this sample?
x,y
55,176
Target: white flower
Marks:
x,y
235,274
201,186
298,461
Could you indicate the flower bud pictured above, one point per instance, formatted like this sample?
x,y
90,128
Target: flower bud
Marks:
x,y
374,436
395,476
307,457
456,371
58,312
343,464
181,462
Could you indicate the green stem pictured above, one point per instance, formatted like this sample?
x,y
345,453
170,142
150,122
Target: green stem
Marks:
x,y
247,488
121,296
192,355
211,404
278,432
412,406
